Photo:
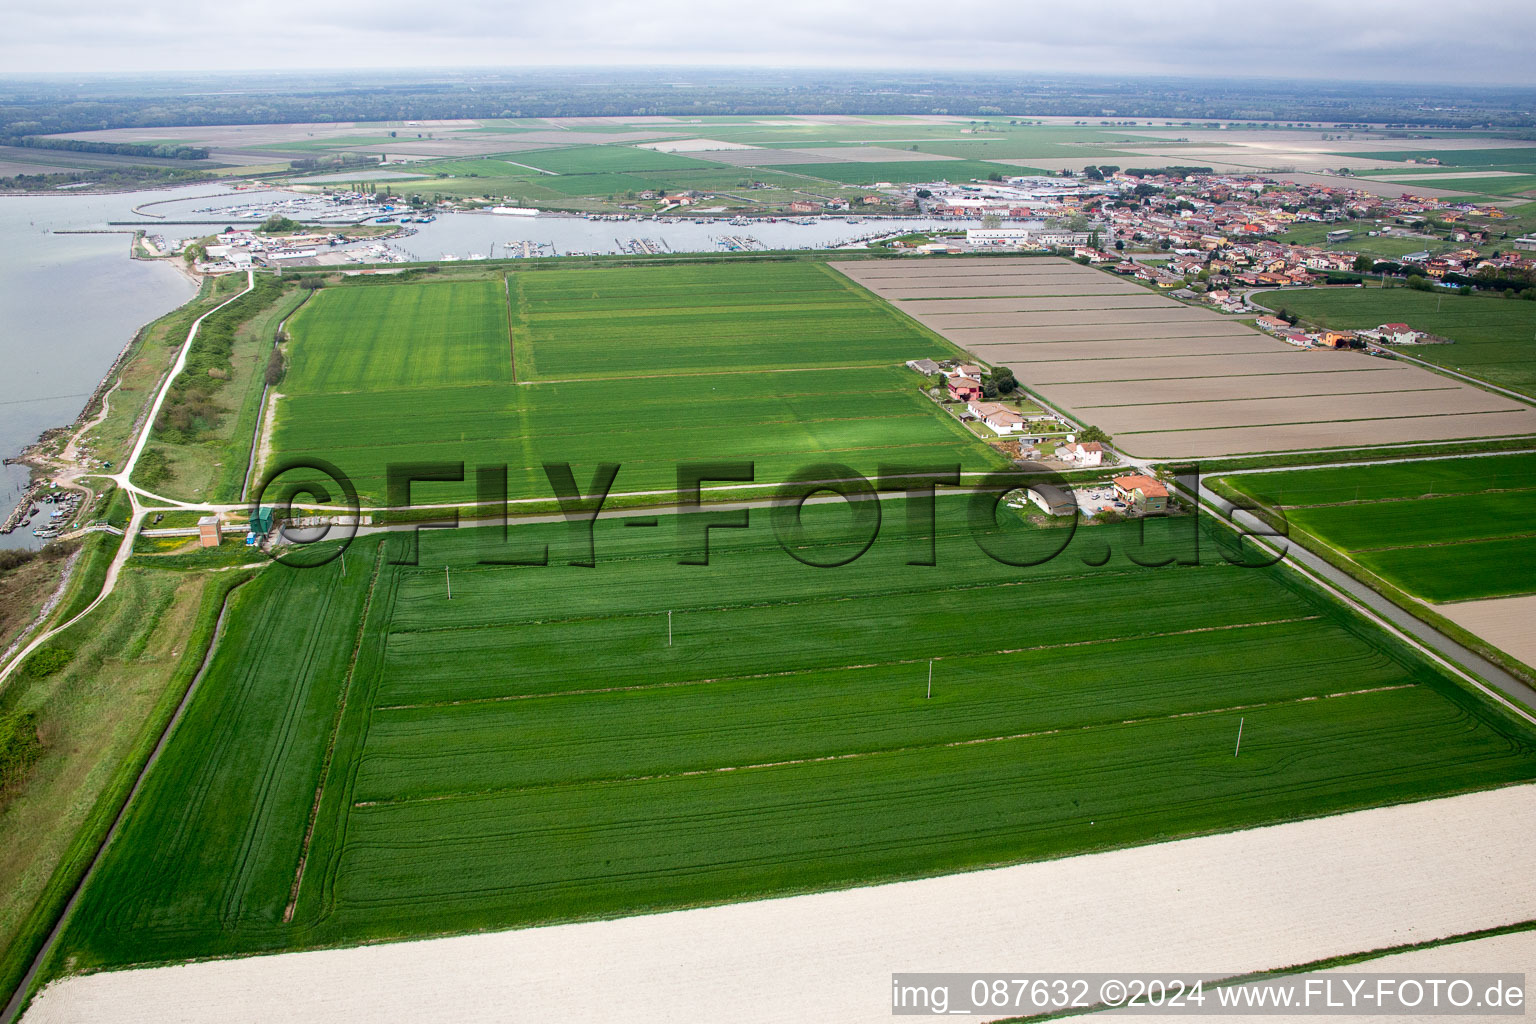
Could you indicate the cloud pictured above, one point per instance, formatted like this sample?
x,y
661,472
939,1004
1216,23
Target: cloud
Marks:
x,y
1394,40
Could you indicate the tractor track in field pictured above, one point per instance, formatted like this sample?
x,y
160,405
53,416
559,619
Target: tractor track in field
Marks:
x,y
857,755
330,745
844,668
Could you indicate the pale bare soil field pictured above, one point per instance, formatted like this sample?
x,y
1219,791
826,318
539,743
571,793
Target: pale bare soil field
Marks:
x,y
1509,623
1159,314
1145,330
692,145
970,267
1250,399
1298,436
1253,412
1021,284
1025,359
1221,389
1085,304
1130,373
1230,904
999,291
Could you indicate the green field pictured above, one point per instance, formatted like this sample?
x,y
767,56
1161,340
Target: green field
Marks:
x,y
786,364
1521,158
897,171
534,750
1449,530
608,159
1495,337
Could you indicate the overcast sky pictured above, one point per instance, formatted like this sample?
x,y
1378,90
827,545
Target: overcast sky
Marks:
x,y
1484,41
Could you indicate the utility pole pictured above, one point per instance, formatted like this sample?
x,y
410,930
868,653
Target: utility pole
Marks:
x,y
930,680
669,628
1239,737
447,579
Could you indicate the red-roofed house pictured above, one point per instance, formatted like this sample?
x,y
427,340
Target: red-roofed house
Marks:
x,y
963,389
1142,493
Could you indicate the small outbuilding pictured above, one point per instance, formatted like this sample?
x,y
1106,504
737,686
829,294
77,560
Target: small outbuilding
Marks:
x,y
260,525
209,531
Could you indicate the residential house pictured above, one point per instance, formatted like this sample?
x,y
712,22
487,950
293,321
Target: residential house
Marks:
x,y
963,389
1141,493
1084,453
1398,334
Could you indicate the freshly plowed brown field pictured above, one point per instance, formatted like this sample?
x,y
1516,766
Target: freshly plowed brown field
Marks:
x,y
1172,381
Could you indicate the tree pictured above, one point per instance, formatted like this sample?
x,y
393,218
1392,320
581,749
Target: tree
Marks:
x,y
1363,264
1092,433
276,367
1119,245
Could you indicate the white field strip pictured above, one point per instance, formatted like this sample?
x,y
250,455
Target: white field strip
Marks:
x,y
1509,623
1234,903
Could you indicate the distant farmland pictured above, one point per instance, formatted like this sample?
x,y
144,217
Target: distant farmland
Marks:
x,y
786,365
1443,530
1495,338
535,750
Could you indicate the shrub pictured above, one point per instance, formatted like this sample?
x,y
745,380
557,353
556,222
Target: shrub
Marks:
x,y
46,661
20,746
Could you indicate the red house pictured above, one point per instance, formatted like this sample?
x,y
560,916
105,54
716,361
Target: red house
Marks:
x,y
963,389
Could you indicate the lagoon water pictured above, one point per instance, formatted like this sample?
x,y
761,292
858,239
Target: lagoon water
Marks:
x,y
69,302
